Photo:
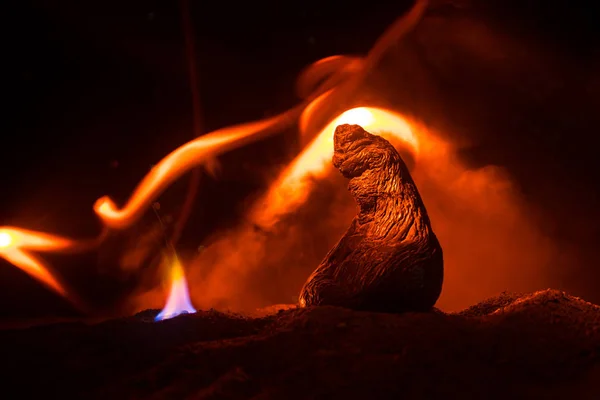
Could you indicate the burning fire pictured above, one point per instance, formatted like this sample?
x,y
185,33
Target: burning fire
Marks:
x,y
178,301
340,76
15,245
291,189
325,86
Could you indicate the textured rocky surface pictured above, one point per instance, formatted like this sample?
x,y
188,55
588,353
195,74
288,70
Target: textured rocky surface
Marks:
x,y
389,259
540,345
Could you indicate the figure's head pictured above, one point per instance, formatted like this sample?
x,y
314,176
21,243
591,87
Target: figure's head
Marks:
x,y
356,151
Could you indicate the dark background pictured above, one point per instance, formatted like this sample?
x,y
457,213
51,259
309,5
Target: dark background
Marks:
x,y
98,91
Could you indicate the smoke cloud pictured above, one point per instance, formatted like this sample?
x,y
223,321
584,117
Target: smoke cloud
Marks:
x,y
491,236
491,242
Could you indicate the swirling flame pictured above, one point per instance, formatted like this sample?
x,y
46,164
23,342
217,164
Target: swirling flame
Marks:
x,y
340,77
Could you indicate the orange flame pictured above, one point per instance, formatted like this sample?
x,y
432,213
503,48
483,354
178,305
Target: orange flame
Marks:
x,y
343,76
290,190
340,77
178,301
15,245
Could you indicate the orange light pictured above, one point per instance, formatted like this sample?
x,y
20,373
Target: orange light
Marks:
x,y
178,301
340,77
291,188
5,240
15,245
325,86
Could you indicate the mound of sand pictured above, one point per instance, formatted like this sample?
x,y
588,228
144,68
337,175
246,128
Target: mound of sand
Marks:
x,y
540,345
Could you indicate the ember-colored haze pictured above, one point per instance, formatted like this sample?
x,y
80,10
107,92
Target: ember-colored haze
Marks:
x,y
490,243
324,86
490,240
292,188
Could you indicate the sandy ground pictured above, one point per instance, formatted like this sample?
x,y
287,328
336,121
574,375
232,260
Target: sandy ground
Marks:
x,y
540,345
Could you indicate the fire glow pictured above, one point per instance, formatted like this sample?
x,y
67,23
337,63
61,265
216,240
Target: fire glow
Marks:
x,y
291,189
178,301
15,247
325,87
